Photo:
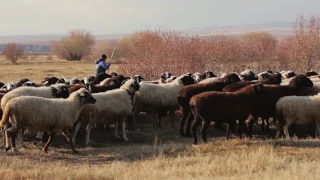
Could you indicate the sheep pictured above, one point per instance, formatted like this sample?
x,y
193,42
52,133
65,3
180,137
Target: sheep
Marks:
x,y
209,80
42,114
248,75
7,87
264,75
275,92
224,107
74,81
298,85
1,84
273,79
311,73
111,107
138,78
287,74
87,80
185,94
207,74
166,75
114,84
113,74
299,110
54,91
197,77
48,81
100,78
160,98
170,79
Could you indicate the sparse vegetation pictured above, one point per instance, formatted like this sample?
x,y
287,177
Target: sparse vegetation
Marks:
x,y
74,46
13,52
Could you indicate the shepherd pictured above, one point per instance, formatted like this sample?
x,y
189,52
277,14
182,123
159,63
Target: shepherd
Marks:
x,y
101,65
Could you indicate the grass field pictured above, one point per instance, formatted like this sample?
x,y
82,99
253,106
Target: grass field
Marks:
x,y
152,153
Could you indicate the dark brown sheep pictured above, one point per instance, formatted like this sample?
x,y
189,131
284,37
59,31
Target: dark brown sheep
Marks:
x,y
225,107
114,84
274,92
187,92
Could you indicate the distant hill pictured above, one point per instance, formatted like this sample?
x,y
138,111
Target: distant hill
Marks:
x,y
41,43
31,48
276,28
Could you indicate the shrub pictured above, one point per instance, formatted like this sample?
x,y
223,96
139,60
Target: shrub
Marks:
x,y
74,46
13,52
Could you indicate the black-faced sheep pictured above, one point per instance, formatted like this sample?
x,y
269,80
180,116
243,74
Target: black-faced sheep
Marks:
x,y
100,78
111,107
197,77
224,107
185,94
311,73
248,75
287,74
113,84
42,114
1,84
48,81
208,74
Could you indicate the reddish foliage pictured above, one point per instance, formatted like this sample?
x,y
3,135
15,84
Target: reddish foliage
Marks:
x,y
149,53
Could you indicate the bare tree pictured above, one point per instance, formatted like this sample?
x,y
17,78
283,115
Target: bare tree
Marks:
x,y
74,46
13,51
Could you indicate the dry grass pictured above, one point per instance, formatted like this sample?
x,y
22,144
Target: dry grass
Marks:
x,y
152,153
38,68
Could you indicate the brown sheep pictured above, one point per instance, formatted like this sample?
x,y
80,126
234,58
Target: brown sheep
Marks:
x,y
225,107
187,92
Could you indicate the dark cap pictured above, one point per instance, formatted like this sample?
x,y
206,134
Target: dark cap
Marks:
x,y
104,56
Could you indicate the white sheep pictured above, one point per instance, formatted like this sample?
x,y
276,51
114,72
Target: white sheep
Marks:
x,y
160,98
42,114
111,107
170,79
298,110
53,91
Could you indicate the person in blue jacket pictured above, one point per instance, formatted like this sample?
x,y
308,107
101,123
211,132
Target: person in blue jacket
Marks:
x,y
101,65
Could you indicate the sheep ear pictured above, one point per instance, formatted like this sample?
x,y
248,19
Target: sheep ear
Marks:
x,y
82,95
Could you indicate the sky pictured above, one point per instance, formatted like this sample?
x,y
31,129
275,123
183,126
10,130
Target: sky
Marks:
x,y
50,17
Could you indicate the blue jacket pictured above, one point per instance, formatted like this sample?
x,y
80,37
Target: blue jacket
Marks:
x,y
101,66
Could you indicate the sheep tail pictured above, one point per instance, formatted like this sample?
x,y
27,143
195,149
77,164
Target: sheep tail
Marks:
x,y
5,117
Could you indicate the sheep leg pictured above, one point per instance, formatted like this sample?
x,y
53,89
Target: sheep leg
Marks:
x,y
130,122
124,133
88,131
172,118
183,120
116,130
4,128
279,127
75,133
285,130
263,125
158,120
249,126
67,135
188,128
197,122
317,134
11,132
230,128
203,131
21,139
241,126
45,148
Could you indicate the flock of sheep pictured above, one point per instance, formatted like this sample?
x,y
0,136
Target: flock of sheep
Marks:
x,y
60,105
